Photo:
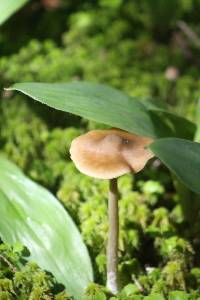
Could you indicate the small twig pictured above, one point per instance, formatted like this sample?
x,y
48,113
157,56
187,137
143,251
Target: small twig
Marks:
x,y
137,283
189,33
8,263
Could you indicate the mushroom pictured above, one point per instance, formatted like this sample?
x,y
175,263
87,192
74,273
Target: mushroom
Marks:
x,y
108,154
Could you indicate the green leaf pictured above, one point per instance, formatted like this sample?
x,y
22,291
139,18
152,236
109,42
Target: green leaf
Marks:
x,y
182,157
9,7
180,127
103,104
33,216
154,104
96,102
172,125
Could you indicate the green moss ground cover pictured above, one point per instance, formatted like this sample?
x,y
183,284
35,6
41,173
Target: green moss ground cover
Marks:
x,y
120,45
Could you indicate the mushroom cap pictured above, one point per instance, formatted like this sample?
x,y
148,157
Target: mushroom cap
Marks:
x,y
108,154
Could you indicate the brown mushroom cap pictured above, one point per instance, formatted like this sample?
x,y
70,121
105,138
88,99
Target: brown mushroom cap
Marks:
x,y
108,154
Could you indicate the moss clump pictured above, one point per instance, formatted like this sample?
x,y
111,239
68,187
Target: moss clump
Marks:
x,y
132,292
20,279
136,65
28,140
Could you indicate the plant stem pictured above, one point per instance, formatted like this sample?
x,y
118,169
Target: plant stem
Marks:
x,y
113,236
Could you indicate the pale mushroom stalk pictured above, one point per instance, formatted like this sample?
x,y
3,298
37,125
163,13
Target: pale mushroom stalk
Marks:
x,y
113,237
108,154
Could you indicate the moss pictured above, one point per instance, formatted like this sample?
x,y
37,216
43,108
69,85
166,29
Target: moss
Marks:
x,y
88,52
20,279
116,43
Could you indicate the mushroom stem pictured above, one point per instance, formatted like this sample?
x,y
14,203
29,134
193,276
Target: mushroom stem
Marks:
x,y
113,236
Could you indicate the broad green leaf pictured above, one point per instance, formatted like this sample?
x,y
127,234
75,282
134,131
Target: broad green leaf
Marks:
x,y
9,7
34,217
182,128
154,104
182,157
109,106
96,102
176,125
